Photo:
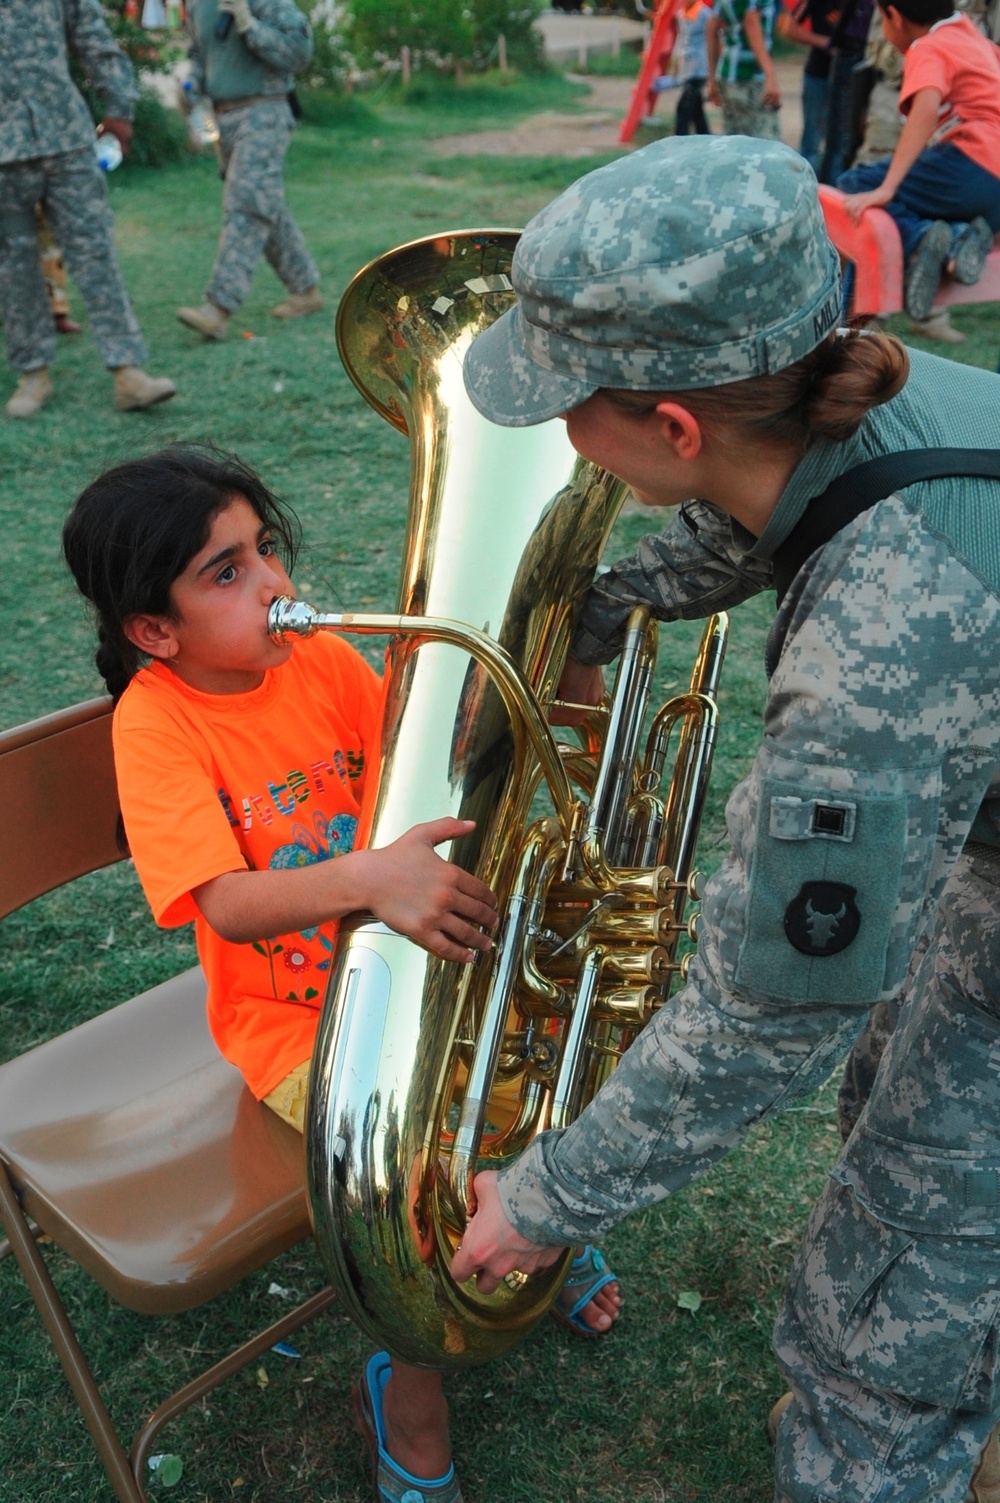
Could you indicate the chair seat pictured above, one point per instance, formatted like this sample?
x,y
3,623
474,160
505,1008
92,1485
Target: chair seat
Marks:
x,y
142,1153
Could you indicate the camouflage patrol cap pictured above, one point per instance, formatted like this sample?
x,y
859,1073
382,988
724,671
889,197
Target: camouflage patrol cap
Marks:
x,y
693,262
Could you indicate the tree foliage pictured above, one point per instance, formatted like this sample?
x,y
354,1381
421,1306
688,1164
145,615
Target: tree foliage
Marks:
x,y
443,33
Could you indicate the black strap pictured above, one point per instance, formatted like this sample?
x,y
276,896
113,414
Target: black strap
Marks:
x,y
860,489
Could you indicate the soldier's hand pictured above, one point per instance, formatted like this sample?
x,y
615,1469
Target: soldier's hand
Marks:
x,y
112,125
240,12
491,1248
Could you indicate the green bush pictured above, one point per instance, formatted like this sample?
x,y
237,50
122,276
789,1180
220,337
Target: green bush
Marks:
x,y
331,62
160,134
514,20
443,33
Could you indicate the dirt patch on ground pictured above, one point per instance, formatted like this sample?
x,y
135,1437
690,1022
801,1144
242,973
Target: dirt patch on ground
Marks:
x,y
593,131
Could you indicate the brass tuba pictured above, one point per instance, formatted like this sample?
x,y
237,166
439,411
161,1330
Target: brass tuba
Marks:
x,y
425,1071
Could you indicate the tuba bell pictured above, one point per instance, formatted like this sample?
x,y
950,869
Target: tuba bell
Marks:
x,y
424,1070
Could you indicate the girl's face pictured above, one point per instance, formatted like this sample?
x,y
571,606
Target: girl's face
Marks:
x,y
217,639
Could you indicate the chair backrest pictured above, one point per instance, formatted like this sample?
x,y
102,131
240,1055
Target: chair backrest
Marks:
x,y
129,1138
60,801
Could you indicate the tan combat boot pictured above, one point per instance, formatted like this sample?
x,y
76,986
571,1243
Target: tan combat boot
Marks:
x,y
33,391
985,1484
135,390
298,304
937,326
209,320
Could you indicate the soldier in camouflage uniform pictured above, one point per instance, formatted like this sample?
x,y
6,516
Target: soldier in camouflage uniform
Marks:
x,y
47,157
248,75
644,291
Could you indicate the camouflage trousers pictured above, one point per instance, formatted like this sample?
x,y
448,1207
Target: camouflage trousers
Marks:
x,y
743,114
72,192
890,1332
253,143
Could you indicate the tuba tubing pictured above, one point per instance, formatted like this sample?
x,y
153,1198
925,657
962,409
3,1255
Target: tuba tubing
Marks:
x,y
424,1071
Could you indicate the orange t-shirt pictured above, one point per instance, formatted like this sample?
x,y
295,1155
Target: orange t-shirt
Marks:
x,y
214,783
964,67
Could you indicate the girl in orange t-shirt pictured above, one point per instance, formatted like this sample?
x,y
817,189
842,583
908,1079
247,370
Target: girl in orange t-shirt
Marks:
x,y
240,766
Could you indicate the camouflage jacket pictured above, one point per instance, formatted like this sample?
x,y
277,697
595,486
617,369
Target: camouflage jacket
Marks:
x,y
881,741
42,112
263,60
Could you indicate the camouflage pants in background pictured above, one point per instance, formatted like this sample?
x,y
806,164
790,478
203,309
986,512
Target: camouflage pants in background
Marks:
x,y
890,1332
253,143
74,197
743,113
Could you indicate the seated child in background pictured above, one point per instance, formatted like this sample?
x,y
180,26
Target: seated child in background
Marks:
x,y
941,185
241,765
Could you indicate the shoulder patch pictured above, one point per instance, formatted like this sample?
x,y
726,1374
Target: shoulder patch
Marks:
x,y
823,918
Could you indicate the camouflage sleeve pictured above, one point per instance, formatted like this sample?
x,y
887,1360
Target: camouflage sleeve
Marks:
x,y
697,565
881,739
280,35
108,70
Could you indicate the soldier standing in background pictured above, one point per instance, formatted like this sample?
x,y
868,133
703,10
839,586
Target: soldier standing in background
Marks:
x,y
244,59
47,157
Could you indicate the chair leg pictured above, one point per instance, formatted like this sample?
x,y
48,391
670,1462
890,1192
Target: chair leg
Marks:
x,y
68,1349
233,1363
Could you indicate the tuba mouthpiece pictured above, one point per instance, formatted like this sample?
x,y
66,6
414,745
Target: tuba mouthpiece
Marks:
x,y
292,618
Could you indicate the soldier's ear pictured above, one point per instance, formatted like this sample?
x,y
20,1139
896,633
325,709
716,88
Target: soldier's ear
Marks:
x,y
681,429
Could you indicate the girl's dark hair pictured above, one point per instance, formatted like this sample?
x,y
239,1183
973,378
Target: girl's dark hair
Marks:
x,y
138,526
823,396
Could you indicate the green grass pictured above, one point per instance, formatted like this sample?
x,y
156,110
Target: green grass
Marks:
x,y
672,1406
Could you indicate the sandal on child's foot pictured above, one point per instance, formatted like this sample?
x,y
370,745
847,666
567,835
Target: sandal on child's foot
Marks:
x,y
923,270
391,1482
972,245
588,1275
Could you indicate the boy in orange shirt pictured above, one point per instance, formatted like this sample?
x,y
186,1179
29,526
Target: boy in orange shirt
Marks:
x,y
940,185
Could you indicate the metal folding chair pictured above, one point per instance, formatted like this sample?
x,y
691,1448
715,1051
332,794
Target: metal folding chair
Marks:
x,y
129,1141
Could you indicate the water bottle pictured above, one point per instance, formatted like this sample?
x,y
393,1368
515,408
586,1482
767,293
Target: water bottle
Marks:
x,y
201,122
109,152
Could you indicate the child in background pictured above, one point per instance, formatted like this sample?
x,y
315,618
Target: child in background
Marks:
x,y
739,51
241,764
941,184
692,50
811,23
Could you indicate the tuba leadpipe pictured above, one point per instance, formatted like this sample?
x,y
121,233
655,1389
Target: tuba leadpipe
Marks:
x,y
425,1071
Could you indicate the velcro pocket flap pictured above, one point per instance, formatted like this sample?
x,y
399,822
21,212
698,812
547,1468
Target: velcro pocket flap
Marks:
x,y
824,890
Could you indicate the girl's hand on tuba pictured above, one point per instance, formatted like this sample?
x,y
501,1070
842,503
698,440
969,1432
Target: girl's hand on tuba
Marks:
x,y
411,888
490,1246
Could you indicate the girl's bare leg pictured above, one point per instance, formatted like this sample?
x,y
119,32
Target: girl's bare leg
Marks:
x,y
416,1421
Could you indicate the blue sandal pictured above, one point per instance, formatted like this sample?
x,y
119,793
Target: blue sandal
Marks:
x,y
588,1275
392,1483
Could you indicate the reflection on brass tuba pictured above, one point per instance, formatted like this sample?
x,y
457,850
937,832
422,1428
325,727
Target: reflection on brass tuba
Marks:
x,y
425,1070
